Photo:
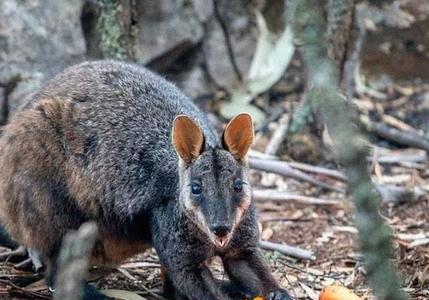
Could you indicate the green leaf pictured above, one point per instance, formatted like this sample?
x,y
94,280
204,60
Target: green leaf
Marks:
x,y
121,294
272,56
231,109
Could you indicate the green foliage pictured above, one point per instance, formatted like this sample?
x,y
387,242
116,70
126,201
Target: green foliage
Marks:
x,y
110,30
300,118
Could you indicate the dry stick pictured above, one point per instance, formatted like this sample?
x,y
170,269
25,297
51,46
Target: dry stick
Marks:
x,y
318,170
384,159
288,250
73,262
401,158
140,283
401,137
299,166
388,193
273,195
284,169
278,137
351,150
17,288
351,67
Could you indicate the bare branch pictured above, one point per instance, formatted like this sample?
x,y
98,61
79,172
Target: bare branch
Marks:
x,y
287,250
273,195
284,169
410,139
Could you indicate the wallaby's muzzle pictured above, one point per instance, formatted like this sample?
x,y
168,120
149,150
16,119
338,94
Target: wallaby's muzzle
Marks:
x,y
222,234
218,214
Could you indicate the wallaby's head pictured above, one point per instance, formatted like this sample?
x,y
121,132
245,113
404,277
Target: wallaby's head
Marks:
x,y
214,181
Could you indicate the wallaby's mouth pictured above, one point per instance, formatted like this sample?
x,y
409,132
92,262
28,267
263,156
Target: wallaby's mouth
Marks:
x,y
220,234
221,242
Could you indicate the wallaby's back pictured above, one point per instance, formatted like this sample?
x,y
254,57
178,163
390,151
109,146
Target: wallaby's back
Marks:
x,y
94,143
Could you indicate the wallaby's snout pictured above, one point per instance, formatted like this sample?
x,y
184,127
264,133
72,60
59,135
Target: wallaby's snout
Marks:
x,y
221,230
214,181
222,233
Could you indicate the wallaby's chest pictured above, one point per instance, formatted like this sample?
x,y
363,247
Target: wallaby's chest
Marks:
x,y
110,251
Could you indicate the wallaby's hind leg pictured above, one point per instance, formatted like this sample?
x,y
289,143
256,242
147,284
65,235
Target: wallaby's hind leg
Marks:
x,y
34,261
30,258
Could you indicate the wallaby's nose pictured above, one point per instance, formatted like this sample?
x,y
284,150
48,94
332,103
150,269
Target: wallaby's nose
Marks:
x,y
221,230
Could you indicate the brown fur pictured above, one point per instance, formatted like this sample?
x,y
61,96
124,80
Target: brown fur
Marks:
x,y
112,251
238,135
188,138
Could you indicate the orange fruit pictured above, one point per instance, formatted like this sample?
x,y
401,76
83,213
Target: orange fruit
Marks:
x,y
337,292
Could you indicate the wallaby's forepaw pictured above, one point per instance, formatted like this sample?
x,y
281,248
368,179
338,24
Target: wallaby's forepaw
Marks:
x,y
279,295
25,258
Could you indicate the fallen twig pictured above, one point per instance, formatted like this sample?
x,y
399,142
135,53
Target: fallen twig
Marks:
x,y
410,139
288,250
401,158
300,166
284,169
318,170
351,78
140,264
399,124
278,137
273,195
140,283
418,243
21,290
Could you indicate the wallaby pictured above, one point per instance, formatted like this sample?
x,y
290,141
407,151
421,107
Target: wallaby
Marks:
x,y
114,143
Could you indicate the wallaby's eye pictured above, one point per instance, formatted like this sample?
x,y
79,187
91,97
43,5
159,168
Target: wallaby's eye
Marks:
x,y
238,186
196,188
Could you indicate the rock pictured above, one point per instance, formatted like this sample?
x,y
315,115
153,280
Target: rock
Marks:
x,y
163,25
243,39
23,89
167,29
38,38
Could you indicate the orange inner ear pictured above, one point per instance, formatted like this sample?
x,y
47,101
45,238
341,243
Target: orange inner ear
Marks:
x,y
238,135
188,138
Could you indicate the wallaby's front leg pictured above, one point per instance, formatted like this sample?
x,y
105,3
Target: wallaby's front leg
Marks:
x,y
251,274
195,283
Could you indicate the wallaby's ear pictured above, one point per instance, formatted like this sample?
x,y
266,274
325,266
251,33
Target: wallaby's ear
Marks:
x,y
188,138
238,135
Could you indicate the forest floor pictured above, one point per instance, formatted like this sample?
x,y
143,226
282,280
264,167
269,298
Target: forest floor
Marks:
x,y
326,229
